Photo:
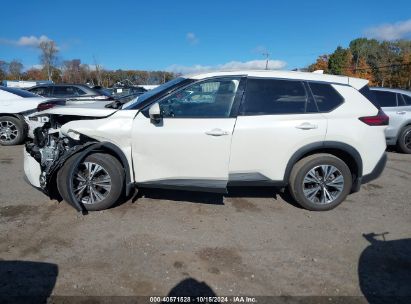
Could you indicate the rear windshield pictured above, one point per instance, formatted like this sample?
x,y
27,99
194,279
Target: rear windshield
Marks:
x,y
367,93
18,92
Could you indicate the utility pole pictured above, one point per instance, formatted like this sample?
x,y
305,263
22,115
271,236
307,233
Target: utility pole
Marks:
x,y
266,54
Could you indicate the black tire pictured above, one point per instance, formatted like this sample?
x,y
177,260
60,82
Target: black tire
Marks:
x,y
65,180
15,125
404,140
301,169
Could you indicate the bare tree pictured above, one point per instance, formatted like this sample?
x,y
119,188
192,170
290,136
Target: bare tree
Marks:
x,y
48,55
15,68
98,69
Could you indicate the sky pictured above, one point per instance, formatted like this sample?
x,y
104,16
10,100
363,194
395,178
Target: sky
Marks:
x,y
189,36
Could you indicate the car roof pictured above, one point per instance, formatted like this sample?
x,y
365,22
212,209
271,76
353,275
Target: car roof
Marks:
x,y
357,83
400,91
18,93
61,85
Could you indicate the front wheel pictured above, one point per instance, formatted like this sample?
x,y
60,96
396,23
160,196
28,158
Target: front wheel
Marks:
x,y
97,182
404,140
320,182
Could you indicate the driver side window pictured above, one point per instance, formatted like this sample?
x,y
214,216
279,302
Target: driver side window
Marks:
x,y
212,98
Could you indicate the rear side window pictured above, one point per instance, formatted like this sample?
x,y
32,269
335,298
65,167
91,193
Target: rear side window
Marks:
x,y
63,91
326,97
386,99
407,99
43,91
78,91
272,96
370,95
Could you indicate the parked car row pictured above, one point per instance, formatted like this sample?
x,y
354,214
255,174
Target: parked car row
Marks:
x,y
75,91
18,106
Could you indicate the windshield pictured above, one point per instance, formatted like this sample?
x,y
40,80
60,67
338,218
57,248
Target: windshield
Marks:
x,y
134,104
18,92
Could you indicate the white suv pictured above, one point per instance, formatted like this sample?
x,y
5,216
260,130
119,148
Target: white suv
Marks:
x,y
316,134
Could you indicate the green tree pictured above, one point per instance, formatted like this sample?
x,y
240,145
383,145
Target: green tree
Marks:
x,y
339,61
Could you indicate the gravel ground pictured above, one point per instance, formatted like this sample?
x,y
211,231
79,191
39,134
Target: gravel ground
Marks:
x,y
250,242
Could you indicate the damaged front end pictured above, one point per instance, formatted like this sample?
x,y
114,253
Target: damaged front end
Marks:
x,y
50,149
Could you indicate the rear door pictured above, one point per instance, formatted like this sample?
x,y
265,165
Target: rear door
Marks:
x,y
277,117
389,104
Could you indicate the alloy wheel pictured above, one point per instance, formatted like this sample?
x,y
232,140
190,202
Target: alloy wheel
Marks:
x,y
407,139
8,131
91,183
323,184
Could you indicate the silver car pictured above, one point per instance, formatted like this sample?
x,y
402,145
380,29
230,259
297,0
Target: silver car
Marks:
x,y
397,105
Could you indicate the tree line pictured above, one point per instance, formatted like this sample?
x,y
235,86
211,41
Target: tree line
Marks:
x,y
383,63
74,71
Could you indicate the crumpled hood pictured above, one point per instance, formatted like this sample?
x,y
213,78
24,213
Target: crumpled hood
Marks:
x,y
86,110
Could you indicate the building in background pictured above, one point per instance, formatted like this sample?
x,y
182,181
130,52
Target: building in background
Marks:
x,y
24,83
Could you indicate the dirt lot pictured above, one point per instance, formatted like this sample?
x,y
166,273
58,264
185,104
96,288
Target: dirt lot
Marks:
x,y
250,242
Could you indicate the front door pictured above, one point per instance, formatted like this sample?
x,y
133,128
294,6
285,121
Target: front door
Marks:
x,y
190,146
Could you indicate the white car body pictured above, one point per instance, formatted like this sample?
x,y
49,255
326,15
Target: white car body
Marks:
x,y
20,107
212,153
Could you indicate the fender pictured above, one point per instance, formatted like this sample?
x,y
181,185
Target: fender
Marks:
x,y
323,146
80,153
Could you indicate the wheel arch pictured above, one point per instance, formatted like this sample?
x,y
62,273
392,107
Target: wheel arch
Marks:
x,y
15,115
345,152
401,129
80,154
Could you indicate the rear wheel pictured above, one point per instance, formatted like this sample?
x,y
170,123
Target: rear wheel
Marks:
x,y
404,140
12,131
320,182
97,182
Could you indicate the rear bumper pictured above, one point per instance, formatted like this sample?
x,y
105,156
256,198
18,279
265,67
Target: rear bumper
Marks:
x,y
376,172
391,141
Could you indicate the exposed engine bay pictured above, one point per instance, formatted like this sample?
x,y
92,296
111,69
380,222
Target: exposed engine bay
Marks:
x,y
51,149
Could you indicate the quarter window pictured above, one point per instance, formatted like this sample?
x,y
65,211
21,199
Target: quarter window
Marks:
x,y
407,99
208,99
43,91
326,97
386,99
272,96
78,91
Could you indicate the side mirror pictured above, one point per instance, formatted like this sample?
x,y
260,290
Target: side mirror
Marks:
x,y
155,113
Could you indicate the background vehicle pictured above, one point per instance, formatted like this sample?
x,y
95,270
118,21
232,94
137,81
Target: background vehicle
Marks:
x,y
397,105
316,134
71,91
16,109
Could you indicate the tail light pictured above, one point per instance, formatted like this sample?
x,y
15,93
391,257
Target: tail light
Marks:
x,y
381,119
50,104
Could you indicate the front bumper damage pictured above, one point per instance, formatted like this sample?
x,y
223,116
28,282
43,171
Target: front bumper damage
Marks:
x,y
42,174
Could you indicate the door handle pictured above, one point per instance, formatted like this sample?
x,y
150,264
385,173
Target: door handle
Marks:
x,y
401,112
306,126
217,132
